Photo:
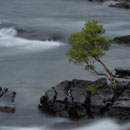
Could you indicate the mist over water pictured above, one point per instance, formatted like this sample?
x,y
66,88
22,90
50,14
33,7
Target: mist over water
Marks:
x,y
33,41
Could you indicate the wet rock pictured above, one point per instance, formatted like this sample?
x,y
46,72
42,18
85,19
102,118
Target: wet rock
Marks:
x,y
96,0
122,72
124,5
75,99
7,100
122,40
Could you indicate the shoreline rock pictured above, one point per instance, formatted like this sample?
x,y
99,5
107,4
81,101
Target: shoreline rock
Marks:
x,y
122,40
7,98
78,98
122,72
123,5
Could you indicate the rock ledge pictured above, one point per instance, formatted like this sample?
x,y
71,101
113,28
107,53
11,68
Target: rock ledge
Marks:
x,y
77,98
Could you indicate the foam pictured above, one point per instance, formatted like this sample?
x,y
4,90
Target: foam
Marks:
x,y
9,38
105,124
19,128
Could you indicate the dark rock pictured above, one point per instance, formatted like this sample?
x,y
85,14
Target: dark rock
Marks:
x,y
120,107
7,100
96,0
122,72
74,99
122,0
123,5
122,40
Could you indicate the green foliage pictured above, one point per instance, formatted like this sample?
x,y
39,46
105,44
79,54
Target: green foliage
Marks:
x,y
93,89
88,44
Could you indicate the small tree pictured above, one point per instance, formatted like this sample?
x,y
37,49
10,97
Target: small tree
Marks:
x,y
88,46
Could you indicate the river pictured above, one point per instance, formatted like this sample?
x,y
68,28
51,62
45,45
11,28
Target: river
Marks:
x,y
33,41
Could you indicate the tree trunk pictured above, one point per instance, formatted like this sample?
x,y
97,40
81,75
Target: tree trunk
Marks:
x,y
111,76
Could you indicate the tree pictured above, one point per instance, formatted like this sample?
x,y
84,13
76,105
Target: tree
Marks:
x,y
88,46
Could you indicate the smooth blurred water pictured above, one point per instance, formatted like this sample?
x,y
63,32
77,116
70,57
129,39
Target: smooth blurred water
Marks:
x,y
33,41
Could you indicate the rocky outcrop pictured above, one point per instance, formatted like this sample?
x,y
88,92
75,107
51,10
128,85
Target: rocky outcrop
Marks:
x,y
122,40
77,98
7,100
122,72
124,5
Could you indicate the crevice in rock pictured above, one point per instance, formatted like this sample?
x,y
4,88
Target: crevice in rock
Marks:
x,y
55,94
66,104
119,91
3,91
69,91
66,101
87,105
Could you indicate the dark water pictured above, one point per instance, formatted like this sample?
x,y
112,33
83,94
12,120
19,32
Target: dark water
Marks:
x,y
30,64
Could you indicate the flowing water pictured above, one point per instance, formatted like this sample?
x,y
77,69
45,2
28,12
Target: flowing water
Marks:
x,y
33,41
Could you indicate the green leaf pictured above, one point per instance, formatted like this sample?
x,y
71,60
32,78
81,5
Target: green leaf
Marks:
x,y
88,44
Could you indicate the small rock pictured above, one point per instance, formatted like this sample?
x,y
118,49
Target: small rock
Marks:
x,y
123,5
7,100
5,90
122,0
122,40
122,72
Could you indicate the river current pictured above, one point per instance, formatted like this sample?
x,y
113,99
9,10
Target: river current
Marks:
x,y
33,41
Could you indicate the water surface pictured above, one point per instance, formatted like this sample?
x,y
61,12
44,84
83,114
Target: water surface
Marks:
x,y
33,41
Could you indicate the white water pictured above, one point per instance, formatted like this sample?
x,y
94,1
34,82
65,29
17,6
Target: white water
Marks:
x,y
102,125
17,128
105,124
9,39
31,75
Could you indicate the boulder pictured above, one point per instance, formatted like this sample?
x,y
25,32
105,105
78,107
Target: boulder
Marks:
x,y
7,100
124,5
78,98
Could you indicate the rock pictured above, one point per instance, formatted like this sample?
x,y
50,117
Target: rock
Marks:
x,y
75,99
122,40
96,0
122,0
122,72
120,103
124,5
7,100
67,98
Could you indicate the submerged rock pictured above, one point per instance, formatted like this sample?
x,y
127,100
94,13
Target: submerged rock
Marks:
x,y
77,98
7,100
124,5
122,40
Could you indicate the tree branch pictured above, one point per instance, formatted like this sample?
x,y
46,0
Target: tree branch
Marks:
x,y
101,74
